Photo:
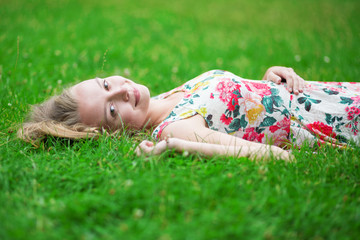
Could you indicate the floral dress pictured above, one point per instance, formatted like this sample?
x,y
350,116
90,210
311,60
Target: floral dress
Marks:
x,y
265,112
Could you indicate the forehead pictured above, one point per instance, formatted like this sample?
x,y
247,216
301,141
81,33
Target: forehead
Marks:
x,y
90,98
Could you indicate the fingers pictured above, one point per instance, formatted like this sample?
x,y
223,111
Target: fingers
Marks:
x,y
290,82
144,147
301,84
160,147
283,155
148,147
274,78
295,85
294,82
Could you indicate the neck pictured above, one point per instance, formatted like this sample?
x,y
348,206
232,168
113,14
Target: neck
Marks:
x,y
161,108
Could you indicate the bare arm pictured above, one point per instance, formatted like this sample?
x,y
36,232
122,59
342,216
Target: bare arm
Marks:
x,y
191,135
209,149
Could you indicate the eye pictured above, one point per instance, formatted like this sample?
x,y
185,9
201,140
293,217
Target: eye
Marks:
x,y
112,110
106,85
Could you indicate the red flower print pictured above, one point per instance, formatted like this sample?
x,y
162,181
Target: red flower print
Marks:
x,y
283,125
321,129
212,96
226,120
252,135
352,112
274,128
232,103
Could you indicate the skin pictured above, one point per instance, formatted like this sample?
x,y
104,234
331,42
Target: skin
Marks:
x,y
295,83
116,102
112,102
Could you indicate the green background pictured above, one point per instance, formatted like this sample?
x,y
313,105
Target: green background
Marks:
x,y
100,189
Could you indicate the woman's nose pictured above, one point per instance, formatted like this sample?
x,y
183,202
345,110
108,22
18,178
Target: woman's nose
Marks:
x,y
120,93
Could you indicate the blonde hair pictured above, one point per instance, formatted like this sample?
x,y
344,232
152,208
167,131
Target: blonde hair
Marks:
x,y
58,117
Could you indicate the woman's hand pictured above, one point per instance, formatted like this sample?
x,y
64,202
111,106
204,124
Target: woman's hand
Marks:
x,y
294,82
282,154
147,147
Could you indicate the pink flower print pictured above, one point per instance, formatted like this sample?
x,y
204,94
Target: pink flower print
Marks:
x,y
260,88
226,87
211,96
280,131
225,96
226,120
356,87
334,84
356,99
311,86
230,84
187,95
223,84
220,87
279,137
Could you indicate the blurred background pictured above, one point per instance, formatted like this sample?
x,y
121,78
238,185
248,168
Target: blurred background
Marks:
x,y
95,189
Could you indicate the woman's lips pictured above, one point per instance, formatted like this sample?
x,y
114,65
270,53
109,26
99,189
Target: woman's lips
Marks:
x,y
137,96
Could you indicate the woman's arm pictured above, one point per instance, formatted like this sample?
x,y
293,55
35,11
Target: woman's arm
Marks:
x,y
192,135
294,82
179,145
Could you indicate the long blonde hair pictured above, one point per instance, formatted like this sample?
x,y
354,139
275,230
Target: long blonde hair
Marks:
x,y
58,117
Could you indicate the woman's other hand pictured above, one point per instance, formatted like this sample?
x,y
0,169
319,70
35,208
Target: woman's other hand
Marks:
x,y
282,154
147,147
294,82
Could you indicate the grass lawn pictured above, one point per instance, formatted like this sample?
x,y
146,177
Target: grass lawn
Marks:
x,y
100,189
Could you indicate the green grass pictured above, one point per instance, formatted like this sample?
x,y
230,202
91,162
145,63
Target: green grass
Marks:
x,y
100,189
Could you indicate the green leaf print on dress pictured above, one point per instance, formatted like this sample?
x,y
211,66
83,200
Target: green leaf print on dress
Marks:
x,y
308,101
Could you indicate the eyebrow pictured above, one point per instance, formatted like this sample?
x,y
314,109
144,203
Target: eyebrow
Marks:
x,y
105,115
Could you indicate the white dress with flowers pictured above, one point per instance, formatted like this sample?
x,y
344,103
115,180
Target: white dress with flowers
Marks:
x,y
262,111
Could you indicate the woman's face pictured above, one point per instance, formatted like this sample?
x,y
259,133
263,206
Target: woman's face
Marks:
x,y
112,102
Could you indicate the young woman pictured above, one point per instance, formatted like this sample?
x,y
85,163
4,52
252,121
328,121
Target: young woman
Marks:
x,y
214,113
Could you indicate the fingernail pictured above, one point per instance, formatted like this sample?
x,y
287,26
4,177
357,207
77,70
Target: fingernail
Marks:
x,y
290,89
